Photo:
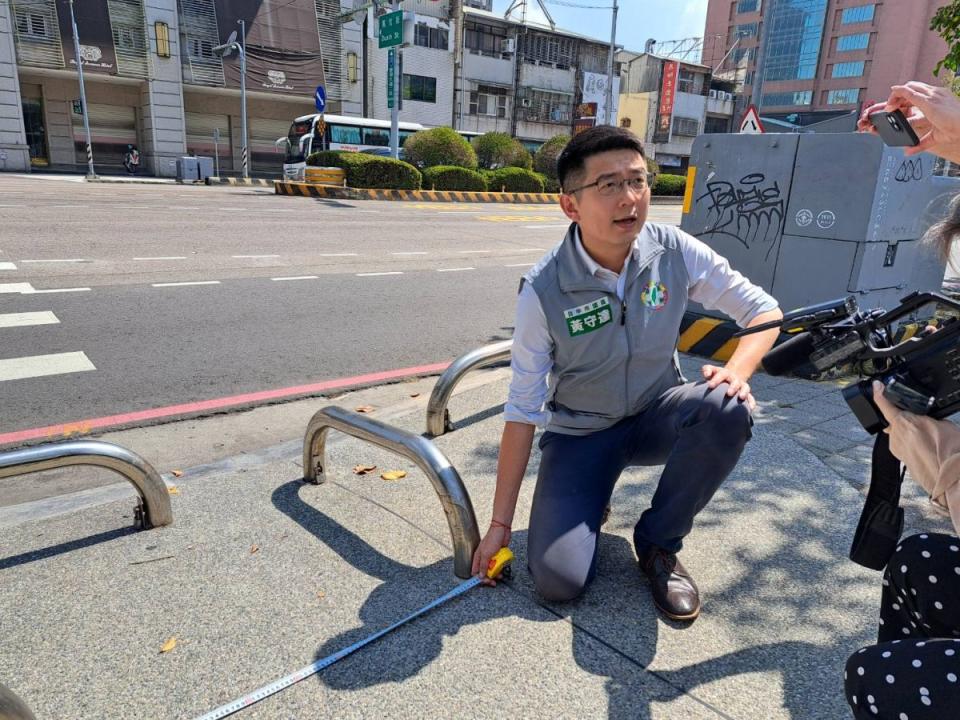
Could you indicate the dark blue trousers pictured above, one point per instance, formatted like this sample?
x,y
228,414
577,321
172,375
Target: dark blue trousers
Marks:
x,y
698,434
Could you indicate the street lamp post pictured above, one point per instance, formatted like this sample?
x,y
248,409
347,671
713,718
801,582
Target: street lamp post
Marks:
x,y
83,94
223,51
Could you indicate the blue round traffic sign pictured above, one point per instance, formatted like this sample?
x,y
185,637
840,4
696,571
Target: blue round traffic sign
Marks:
x,y
321,98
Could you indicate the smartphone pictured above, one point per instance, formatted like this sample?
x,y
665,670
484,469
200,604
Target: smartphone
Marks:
x,y
894,129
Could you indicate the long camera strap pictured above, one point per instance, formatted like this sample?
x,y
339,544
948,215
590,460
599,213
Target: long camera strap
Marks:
x,y
881,521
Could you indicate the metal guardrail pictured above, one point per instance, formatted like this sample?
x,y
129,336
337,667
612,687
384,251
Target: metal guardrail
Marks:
x,y
12,707
443,476
438,417
154,507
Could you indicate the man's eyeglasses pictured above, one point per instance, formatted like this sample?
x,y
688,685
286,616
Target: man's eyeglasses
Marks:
x,y
608,187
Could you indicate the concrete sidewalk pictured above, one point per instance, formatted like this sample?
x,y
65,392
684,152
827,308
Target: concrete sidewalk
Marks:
x,y
261,574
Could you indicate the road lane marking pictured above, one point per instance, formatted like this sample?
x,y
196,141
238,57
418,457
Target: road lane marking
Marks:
x,y
57,260
377,274
181,284
296,277
33,291
7,266
242,257
460,212
15,287
27,319
455,269
43,365
169,257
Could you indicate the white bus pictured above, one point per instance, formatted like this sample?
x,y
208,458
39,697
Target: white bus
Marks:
x,y
337,132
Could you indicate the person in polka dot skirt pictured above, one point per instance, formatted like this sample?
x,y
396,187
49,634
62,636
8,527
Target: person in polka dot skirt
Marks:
x,y
913,672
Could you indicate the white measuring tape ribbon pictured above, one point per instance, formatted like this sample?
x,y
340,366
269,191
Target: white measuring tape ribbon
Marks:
x,y
305,672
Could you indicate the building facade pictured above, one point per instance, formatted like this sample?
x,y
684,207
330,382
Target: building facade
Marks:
x,y
821,58
668,103
153,80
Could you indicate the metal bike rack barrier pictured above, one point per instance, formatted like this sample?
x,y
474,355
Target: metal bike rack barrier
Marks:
x,y
444,477
153,510
438,417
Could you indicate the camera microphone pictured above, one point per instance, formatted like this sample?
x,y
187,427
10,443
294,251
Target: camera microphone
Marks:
x,y
789,355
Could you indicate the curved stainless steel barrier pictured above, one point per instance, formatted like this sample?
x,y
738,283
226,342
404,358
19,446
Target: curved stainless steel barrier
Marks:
x,y
438,418
444,477
154,509
12,707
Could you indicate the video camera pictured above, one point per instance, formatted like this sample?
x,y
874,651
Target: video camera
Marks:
x,y
921,374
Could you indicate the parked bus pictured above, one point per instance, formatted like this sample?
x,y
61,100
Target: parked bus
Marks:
x,y
308,134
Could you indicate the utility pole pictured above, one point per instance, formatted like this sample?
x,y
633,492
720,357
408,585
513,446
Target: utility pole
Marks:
x,y
83,94
245,152
613,45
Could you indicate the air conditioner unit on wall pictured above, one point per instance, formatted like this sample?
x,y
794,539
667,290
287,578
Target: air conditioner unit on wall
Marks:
x,y
509,45
713,94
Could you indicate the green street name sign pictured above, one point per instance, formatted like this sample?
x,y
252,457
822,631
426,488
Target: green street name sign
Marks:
x,y
391,29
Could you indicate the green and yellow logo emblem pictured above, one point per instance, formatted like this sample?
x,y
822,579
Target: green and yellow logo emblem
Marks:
x,y
589,317
654,295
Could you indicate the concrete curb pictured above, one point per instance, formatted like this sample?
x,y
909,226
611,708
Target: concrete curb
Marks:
x,y
131,180
282,187
259,182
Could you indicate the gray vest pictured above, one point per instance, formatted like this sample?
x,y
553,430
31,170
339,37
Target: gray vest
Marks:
x,y
611,359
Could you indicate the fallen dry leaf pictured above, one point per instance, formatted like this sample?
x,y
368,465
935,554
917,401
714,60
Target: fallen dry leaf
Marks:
x,y
173,490
169,645
363,469
414,394
365,408
254,548
393,474
321,594
177,473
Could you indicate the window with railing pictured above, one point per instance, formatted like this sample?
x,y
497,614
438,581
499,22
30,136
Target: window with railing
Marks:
x,y
686,81
484,39
800,97
488,100
542,49
37,33
198,36
847,96
848,69
686,126
431,37
546,107
860,41
859,14
128,26
420,88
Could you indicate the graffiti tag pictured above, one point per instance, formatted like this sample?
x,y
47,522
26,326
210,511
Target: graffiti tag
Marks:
x,y
749,211
910,169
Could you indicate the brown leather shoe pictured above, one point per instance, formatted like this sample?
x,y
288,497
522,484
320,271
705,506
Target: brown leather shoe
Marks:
x,y
674,591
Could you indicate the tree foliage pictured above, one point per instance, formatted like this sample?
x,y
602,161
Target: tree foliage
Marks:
x,y
946,23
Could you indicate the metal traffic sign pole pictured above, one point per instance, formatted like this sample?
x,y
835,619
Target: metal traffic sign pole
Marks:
x,y
83,94
216,151
391,36
223,51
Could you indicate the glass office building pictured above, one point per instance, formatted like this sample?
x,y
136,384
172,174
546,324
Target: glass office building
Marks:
x,y
793,45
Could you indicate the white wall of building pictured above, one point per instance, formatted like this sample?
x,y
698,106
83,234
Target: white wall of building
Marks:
x,y
14,153
161,96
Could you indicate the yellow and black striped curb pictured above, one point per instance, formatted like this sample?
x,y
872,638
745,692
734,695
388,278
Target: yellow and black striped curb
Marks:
x,y
260,182
345,193
707,337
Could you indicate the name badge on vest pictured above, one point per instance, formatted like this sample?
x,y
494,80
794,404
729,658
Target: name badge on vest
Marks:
x,y
589,317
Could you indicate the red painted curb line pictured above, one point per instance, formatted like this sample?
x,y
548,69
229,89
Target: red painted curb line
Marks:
x,y
85,426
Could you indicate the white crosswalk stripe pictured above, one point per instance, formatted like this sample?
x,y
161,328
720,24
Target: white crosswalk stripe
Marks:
x,y
35,366
26,319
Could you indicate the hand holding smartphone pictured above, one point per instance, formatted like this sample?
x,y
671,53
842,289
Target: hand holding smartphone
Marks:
x,y
894,128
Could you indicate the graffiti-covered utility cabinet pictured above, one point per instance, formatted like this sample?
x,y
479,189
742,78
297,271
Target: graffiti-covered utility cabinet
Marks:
x,y
815,217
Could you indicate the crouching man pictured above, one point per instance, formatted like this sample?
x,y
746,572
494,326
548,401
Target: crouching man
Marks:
x,y
594,361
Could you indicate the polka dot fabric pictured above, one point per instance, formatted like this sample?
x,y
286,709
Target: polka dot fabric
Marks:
x,y
913,672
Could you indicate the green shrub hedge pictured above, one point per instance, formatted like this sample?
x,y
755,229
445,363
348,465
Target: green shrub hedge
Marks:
x,y
550,185
439,146
545,161
370,171
514,179
449,177
670,185
496,150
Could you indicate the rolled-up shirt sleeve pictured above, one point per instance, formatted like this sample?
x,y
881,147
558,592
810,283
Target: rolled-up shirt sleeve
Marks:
x,y
717,286
531,359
